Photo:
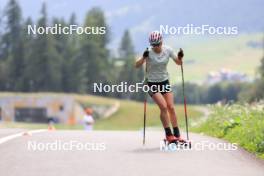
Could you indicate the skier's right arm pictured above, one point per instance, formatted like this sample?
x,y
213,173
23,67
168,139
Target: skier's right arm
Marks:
x,y
141,61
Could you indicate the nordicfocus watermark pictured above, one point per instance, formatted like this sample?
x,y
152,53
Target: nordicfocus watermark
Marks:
x,y
205,29
59,145
199,146
71,29
124,87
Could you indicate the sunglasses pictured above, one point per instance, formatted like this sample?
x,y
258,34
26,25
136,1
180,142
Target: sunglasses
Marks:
x,y
156,45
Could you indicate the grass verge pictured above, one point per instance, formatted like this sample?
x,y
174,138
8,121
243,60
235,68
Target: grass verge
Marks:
x,y
241,124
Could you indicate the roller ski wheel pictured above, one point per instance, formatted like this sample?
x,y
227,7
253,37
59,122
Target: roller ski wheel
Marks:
x,y
183,142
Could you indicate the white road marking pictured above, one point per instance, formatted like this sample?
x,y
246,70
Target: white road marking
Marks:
x,y
13,136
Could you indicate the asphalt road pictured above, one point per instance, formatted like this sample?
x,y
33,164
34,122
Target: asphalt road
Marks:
x,y
119,153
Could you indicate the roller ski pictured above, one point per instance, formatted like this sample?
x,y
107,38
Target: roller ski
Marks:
x,y
183,142
180,142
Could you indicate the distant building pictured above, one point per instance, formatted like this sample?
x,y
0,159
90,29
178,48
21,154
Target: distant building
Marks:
x,y
226,75
63,109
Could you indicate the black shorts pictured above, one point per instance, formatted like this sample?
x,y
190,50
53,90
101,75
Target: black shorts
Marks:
x,y
161,87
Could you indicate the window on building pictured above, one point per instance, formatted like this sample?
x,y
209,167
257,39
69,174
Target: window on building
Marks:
x,y
36,115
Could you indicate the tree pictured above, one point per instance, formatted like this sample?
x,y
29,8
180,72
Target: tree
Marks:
x,y
61,43
28,45
260,83
14,49
3,66
261,68
126,48
45,61
129,73
254,91
93,54
67,46
214,93
1,37
77,71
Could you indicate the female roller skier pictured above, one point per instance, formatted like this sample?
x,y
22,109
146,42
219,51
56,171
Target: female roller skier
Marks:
x,y
157,78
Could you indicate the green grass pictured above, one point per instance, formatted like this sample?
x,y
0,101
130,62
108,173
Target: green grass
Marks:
x,y
130,116
241,124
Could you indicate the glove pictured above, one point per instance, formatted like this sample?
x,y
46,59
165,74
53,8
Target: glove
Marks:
x,y
180,54
146,53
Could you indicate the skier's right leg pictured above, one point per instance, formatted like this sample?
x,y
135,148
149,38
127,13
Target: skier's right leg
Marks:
x,y
160,101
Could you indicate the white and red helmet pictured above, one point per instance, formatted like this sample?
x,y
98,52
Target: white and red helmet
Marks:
x,y
155,38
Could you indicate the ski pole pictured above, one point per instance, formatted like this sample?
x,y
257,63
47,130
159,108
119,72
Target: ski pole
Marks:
x,y
184,100
144,123
145,109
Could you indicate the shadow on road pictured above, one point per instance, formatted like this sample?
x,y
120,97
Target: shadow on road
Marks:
x,y
146,150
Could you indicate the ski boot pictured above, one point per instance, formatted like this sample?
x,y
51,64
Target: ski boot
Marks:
x,y
170,139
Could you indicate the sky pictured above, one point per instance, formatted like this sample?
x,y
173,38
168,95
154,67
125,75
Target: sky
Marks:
x,y
141,17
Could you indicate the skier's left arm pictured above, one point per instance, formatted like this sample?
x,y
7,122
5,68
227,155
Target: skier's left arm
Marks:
x,y
177,58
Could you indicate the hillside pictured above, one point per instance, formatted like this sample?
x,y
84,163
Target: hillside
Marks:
x,y
206,55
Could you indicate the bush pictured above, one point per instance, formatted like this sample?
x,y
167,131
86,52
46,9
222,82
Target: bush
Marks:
x,y
241,124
